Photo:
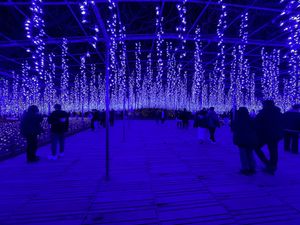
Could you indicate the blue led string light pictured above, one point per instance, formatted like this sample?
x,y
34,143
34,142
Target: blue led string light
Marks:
x,y
217,87
198,77
291,24
181,29
160,65
34,28
64,84
270,79
138,72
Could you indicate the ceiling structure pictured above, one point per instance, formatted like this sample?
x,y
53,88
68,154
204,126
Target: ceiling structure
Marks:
x,y
63,19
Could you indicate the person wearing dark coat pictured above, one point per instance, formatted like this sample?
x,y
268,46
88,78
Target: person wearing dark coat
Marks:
x,y
95,117
112,117
244,136
102,116
59,121
269,128
185,118
291,128
212,123
30,128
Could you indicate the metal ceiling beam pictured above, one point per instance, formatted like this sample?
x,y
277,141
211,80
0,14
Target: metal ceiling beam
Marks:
x,y
82,29
101,23
21,59
6,74
199,17
260,8
231,23
24,46
136,37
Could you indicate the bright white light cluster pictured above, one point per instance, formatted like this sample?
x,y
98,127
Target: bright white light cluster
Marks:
x,y
49,95
198,94
159,52
83,91
117,51
270,80
65,73
218,75
181,29
84,9
113,46
138,71
291,24
34,28
243,71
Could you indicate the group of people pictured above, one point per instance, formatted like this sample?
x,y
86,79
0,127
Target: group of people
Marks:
x,y
31,127
250,132
97,116
267,128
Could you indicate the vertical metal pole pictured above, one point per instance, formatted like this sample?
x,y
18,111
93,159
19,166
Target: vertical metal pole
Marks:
x,y
107,109
123,137
234,105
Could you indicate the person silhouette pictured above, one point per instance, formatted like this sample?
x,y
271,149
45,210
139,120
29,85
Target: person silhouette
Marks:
x,y
244,136
30,128
269,128
59,121
212,123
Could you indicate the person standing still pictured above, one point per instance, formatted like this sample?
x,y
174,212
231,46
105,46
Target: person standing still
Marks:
x,y
244,136
59,121
30,128
269,128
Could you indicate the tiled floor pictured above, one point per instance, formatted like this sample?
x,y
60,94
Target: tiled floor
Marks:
x,y
158,175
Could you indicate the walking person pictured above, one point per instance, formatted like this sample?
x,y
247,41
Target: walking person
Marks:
x,y
201,125
30,128
269,128
212,123
244,136
292,129
59,121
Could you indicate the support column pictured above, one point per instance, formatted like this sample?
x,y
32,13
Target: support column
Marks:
x,y
107,102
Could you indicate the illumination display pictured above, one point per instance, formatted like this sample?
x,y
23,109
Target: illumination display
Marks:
x,y
176,73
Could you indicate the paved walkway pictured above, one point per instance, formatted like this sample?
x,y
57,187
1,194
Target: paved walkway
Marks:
x,y
159,175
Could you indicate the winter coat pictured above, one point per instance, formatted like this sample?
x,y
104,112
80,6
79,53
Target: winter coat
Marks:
x,y
59,121
269,125
244,134
31,124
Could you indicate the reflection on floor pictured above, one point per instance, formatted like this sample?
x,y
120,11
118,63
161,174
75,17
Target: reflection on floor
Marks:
x,y
158,175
